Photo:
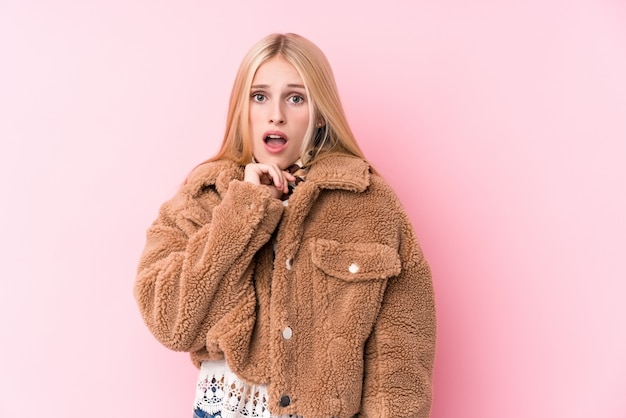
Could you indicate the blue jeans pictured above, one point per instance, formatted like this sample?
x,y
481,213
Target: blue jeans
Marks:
x,y
199,413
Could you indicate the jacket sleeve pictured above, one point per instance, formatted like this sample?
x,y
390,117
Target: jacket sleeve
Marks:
x,y
399,353
193,273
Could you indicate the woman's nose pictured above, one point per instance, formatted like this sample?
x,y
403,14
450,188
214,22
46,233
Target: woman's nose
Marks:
x,y
277,115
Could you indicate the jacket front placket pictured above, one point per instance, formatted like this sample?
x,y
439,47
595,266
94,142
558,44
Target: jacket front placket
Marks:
x,y
282,306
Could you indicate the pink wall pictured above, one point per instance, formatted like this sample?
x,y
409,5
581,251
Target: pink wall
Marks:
x,y
502,126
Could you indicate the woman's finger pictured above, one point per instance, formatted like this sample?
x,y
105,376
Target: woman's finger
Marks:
x,y
270,175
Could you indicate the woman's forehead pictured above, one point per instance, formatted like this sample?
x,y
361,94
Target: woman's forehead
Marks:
x,y
277,71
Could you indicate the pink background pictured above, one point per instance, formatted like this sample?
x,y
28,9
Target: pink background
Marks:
x,y
501,124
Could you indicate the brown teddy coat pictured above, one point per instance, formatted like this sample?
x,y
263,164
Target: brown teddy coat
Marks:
x,y
327,300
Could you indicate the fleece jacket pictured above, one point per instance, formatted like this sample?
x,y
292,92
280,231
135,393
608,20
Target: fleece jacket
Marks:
x,y
328,300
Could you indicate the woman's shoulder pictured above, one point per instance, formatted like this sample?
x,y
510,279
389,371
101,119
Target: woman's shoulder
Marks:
x,y
381,196
202,187
216,174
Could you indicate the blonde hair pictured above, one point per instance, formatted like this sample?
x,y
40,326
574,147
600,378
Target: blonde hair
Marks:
x,y
332,137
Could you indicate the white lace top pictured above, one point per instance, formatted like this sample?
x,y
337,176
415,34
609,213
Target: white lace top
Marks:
x,y
220,390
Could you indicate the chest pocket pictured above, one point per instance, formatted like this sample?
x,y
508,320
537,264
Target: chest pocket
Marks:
x,y
350,281
355,262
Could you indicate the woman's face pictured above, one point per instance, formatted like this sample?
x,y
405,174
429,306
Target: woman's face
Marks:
x,y
279,113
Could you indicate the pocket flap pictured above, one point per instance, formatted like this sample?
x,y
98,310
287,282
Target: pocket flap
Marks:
x,y
355,261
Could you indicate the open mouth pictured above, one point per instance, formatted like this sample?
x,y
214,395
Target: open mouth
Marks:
x,y
274,141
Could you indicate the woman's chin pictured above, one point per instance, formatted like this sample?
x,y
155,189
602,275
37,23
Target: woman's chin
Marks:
x,y
281,161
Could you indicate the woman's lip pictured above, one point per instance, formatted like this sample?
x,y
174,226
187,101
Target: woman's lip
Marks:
x,y
275,149
279,133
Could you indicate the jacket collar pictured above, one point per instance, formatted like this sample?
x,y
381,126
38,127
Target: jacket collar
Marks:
x,y
335,172
340,172
216,174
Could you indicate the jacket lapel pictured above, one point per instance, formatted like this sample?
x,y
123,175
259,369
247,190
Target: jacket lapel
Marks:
x,y
334,172
330,173
340,172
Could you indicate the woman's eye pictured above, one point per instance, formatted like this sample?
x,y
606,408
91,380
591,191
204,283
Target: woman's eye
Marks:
x,y
258,97
296,99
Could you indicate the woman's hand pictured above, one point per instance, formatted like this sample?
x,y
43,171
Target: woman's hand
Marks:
x,y
270,175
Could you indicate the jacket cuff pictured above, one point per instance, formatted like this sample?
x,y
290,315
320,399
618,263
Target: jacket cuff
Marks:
x,y
249,204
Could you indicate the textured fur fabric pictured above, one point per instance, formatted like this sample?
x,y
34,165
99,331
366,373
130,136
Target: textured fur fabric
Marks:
x,y
227,268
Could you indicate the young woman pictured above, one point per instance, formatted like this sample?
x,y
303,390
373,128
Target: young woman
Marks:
x,y
285,265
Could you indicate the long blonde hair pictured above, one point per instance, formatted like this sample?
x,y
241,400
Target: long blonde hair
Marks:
x,y
332,137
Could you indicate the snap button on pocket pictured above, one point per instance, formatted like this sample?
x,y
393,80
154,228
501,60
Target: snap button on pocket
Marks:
x,y
287,333
289,263
353,268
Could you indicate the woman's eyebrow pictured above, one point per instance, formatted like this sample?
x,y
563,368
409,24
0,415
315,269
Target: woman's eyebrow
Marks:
x,y
266,86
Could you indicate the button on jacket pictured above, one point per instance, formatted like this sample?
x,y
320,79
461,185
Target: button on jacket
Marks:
x,y
328,300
